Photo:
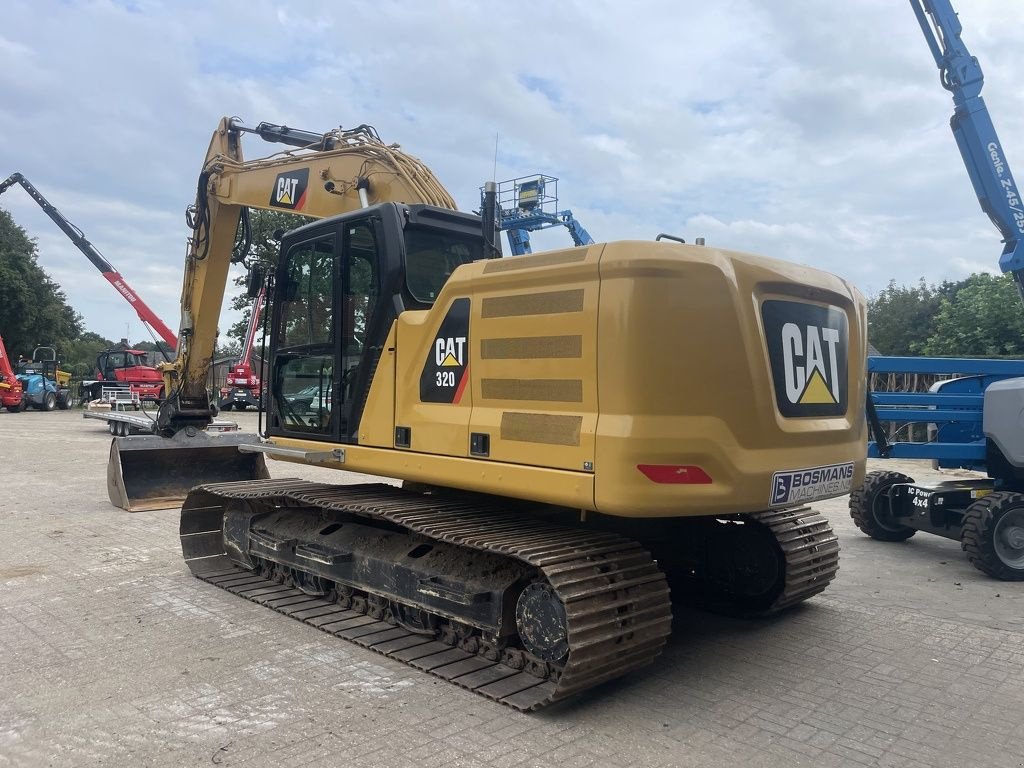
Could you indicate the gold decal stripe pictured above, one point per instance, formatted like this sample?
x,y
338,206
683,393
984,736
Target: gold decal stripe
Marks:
x,y
550,390
549,303
529,347
544,428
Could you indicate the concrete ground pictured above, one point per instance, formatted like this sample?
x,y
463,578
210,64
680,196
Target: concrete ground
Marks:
x,y
112,653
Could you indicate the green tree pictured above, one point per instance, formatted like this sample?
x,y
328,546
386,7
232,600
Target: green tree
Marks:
x,y
983,318
900,318
33,308
262,253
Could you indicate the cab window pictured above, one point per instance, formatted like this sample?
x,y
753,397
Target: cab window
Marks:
x,y
303,390
431,256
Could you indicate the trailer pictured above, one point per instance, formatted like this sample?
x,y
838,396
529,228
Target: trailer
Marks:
x,y
122,424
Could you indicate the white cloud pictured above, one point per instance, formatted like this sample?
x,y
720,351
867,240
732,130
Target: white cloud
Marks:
x,y
794,129
12,50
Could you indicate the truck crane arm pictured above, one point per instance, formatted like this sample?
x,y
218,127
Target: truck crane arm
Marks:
x,y
974,132
326,174
112,276
242,386
245,359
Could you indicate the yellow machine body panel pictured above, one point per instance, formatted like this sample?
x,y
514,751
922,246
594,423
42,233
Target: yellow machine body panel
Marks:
x,y
534,362
434,428
377,427
693,373
633,379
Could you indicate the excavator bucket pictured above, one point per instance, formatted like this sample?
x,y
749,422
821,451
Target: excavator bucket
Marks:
x,y
151,472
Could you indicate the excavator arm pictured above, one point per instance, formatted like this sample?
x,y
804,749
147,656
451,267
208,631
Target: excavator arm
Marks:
x,y
323,175
975,134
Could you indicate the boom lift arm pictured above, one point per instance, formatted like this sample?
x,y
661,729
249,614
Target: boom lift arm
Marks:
x,y
329,174
530,203
975,134
112,276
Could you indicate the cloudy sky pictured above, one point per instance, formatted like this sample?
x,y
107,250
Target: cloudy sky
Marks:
x,y
811,131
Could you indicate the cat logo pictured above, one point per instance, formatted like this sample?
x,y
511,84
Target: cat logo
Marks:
x,y
807,346
809,378
290,190
449,352
446,370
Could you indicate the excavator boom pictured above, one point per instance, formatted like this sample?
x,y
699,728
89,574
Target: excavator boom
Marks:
x,y
357,169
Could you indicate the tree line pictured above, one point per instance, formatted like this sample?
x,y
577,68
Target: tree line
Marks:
x,y
33,308
980,316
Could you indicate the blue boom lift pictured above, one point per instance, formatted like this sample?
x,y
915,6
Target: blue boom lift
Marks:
x,y
530,203
977,418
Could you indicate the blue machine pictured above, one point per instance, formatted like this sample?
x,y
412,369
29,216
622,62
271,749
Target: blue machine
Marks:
x,y
44,384
976,420
530,203
955,407
959,445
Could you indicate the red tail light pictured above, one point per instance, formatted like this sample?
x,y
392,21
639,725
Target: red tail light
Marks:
x,y
681,474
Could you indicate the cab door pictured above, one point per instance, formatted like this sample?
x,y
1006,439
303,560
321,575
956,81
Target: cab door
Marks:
x,y
326,291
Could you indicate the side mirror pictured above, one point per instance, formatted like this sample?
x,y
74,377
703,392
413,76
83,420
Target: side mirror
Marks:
x,y
254,281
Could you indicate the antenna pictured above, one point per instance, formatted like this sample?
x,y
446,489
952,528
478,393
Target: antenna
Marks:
x,y
494,173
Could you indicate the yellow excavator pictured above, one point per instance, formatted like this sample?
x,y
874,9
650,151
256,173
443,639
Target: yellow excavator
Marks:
x,y
576,430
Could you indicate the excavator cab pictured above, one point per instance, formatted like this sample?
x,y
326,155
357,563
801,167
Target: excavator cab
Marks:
x,y
340,284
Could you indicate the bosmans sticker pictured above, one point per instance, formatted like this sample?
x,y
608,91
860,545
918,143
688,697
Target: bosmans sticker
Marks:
x,y
800,485
808,348
446,370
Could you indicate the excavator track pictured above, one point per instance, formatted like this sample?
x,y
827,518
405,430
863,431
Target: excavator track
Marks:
x,y
615,608
760,563
810,551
